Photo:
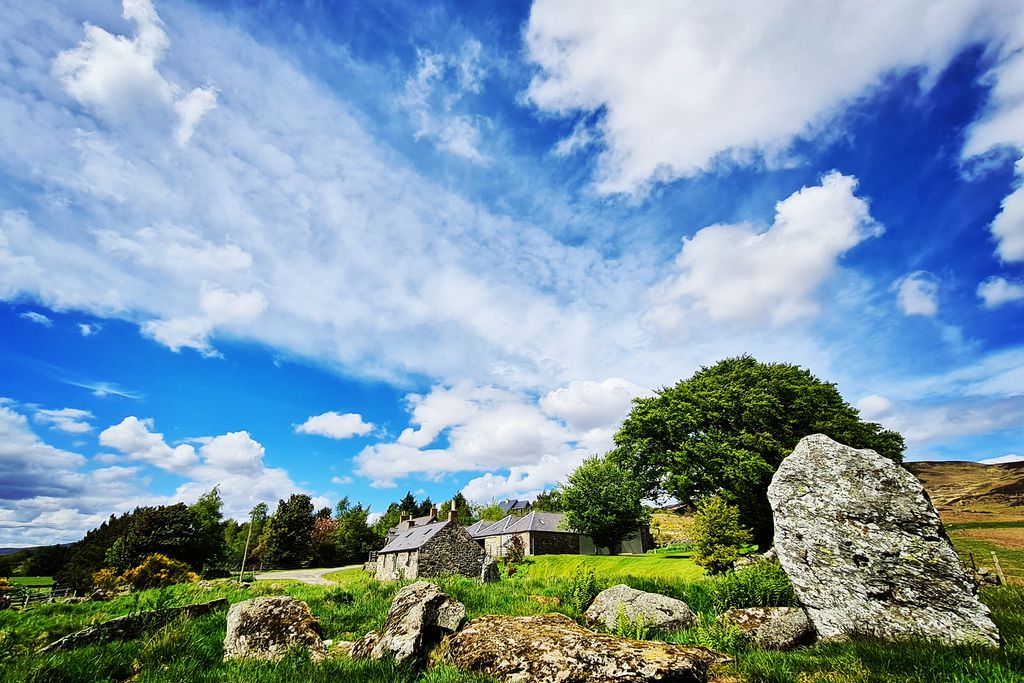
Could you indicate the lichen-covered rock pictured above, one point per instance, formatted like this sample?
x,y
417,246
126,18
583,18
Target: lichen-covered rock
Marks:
x,y
552,647
660,611
419,617
264,628
490,572
772,628
866,552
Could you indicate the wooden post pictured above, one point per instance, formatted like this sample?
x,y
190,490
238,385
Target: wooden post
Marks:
x,y
999,569
974,566
245,552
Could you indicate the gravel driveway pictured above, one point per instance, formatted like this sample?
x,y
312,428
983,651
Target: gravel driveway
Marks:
x,y
314,576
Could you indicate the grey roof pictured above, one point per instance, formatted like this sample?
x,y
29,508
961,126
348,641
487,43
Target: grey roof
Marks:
x,y
413,539
513,504
476,527
534,521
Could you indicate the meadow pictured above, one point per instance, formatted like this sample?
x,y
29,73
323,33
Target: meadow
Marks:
x,y
192,650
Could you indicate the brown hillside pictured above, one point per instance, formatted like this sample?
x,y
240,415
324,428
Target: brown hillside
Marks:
x,y
971,492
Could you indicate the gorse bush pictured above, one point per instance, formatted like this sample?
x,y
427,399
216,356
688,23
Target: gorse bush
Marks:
x,y
583,589
764,584
157,571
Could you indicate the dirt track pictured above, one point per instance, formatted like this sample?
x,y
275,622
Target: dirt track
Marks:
x,y
313,576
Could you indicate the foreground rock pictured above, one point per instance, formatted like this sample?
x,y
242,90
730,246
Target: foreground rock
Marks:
x,y
419,617
265,628
659,611
866,551
132,625
552,647
772,628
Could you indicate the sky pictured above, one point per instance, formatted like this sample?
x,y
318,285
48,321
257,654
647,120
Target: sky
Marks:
x,y
363,248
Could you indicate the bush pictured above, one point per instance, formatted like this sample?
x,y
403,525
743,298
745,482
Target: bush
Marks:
x,y
717,535
515,551
583,589
764,584
107,579
157,571
6,588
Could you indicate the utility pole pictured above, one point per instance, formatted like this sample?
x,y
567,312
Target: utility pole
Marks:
x,y
245,553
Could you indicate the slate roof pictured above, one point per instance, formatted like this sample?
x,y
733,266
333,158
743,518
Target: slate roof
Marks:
x,y
534,521
413,539
513,504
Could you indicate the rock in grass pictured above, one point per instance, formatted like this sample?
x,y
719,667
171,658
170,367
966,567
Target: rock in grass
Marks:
x,y
866,551
772,628
490,572
419,617
552,647
265,628
659,611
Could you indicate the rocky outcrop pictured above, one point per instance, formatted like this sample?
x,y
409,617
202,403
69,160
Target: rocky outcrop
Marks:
x,y
265,628
866,551
772,628
659,611
419,617
132,625
490,572
552,647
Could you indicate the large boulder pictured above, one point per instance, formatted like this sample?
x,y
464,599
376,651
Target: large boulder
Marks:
x,y
772,628
265,628
866,552
659,611
419,617
552,647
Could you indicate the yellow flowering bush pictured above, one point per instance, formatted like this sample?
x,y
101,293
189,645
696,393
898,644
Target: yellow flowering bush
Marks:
x,y
157,571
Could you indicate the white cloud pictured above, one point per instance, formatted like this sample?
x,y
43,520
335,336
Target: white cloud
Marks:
x,y
335,425
683,87
70,420
918,294
1002,459
998,291
586,405
342,481
747,274
89,329
134,438
117,76
37,318
874,407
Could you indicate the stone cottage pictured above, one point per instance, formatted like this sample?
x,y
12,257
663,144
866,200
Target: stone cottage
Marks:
x,y
431,549
543,533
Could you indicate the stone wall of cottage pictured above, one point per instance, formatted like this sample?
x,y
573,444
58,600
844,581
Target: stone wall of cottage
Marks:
x,y
553,543
451,551
396,566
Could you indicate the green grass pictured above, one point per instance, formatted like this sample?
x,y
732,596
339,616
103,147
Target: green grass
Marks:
x,y
985,525
1011,560
668,567
32,581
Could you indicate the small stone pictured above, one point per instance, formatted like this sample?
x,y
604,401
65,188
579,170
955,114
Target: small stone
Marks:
x,y
772,628
659,611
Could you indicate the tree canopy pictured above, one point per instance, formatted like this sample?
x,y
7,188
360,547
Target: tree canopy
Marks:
x,y
602,501
725,430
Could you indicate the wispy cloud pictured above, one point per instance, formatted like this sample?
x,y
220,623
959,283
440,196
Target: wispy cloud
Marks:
x,y
37,318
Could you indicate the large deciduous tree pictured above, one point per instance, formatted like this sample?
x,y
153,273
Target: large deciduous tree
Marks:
x,y
289,543
725,430
603,501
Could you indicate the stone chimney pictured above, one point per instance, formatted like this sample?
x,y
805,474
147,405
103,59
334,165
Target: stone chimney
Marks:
x,y
433,511
453,513
403,518
412,522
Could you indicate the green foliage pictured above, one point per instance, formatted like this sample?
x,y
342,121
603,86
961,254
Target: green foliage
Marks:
x,y
289,542
582,590
603,501
625,628
548,501
717,535
208,529
491,512
709,632
726,429
353,539
515,551
764,584
463,510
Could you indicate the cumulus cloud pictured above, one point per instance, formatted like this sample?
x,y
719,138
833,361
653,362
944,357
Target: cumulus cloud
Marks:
x,y
335,425
874,407
37,318
755,275
134,438
70,420
89,329
999,291
117,76
918,294
586,404
683,87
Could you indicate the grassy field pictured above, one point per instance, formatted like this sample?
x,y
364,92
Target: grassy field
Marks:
x,y
32,581
671,567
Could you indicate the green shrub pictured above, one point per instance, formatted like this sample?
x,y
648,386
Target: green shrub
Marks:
x,y
764,584
717,535
713,634
624,628
583,589
159,570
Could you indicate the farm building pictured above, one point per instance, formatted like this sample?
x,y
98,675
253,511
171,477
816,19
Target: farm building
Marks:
x,y
542,533
431,549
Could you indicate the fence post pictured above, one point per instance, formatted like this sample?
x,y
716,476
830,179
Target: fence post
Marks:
x,y
999,569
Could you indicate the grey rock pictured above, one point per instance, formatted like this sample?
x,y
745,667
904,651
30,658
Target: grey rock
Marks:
x,y
660,611
553,647
490,572
866,551
132,625
419,617
772,628
265,628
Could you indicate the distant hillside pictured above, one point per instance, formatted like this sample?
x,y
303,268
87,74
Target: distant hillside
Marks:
x,y
971,492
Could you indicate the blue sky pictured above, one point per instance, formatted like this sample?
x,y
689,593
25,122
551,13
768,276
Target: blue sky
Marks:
x,y
363,248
